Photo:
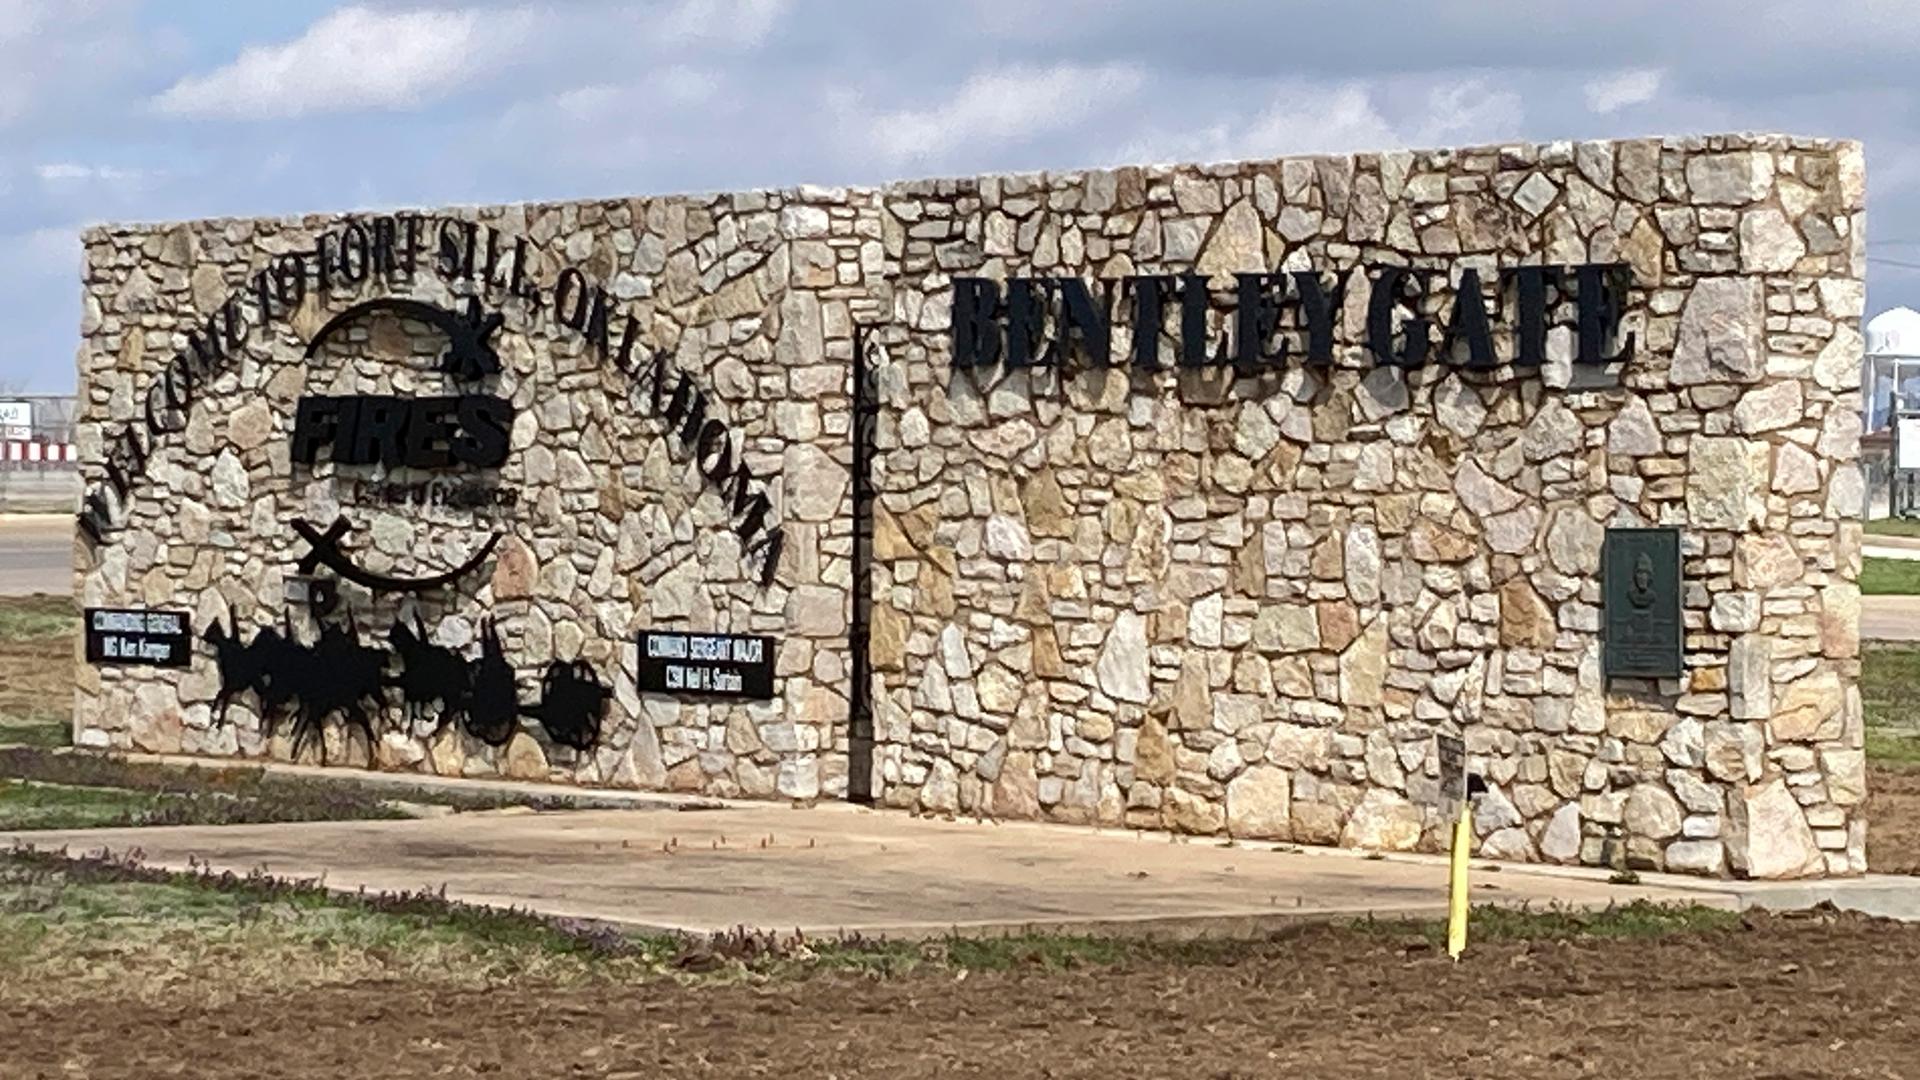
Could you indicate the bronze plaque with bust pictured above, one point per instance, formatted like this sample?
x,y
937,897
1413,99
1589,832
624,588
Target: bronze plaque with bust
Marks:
x,y
1645,634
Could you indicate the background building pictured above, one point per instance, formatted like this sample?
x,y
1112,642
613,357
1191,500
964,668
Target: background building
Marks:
x,y
39,465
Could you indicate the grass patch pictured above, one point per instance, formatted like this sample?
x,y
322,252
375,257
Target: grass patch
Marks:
x,y
1892,748
29,618
1893,527
88,922
37,641
1890,685
27,805
43,729
1890,703
1889,577
48,790
77,926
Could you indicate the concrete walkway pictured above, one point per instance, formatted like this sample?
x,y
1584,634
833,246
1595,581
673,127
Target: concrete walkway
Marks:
x,y
1890,618
838,867
1878,546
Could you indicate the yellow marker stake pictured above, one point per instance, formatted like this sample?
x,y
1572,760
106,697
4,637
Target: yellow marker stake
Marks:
x,y
1457,886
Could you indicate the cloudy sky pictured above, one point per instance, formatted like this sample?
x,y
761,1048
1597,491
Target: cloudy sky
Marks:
x,y
115,110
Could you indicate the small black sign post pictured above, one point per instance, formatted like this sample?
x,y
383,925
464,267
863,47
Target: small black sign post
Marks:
x,y
1452,751
706,665
137,636
1645,634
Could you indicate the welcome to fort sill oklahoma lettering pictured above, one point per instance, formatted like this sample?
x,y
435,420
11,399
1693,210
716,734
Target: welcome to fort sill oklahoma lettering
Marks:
x,y
1039,321
477,261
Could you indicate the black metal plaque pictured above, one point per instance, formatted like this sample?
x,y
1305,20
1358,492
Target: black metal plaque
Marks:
x,y
712,665
1452,753
1645,635
139,636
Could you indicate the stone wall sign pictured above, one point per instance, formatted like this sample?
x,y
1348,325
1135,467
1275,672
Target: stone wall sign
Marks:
x,y
1194,497
1641,576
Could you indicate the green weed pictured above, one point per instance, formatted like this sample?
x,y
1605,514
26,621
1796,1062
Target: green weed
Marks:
x,y
1889,577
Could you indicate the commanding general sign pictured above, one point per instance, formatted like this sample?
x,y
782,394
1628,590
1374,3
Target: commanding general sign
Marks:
x,y
1641,574
133,636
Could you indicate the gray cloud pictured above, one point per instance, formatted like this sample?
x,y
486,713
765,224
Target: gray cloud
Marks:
x,y
113,109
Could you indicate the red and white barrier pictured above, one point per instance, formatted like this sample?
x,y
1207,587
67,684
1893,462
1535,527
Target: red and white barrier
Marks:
x,y
38,453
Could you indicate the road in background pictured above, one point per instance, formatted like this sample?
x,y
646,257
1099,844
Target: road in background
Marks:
x,y
36,554
1890,618
35,490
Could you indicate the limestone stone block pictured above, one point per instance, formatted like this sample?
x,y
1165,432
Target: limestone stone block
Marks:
x,y
887,638
1383,821
1733,178
1430,541
1769,836
1204,621
813,483
1122,666
1633,432
1237,244
1840,620
1727,480
1045,505
1652,811
1363,666
1362,550
1765,560
1300,746
1006,538
1770,408
1750,677
1768,242
816,611
1697,857
1837,367
1560,840
1808,709
1258,804
1514,532
1846,772
1721,326
524,760
1525,619
1573,542
1286,628
1733,750
1153,759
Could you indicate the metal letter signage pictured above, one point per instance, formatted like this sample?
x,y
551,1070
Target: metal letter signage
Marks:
x,y
133,636
1045,321
719,665
1645,636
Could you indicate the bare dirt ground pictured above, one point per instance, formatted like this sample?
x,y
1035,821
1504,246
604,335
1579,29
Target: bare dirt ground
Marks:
x,y
1812,996
103,984
1893,820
